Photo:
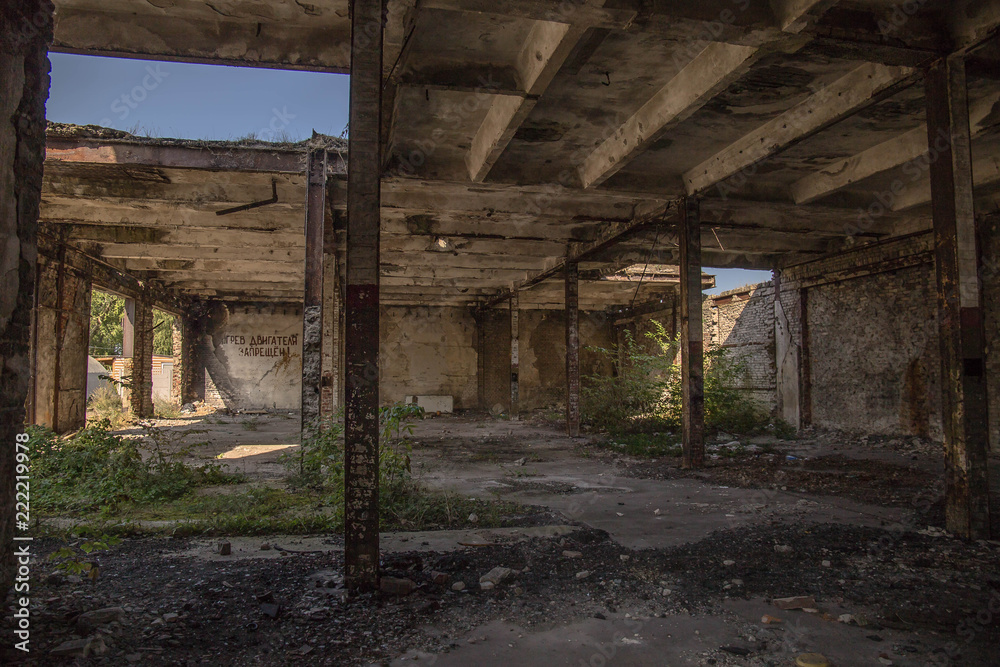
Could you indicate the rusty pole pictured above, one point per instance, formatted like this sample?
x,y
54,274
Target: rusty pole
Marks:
x,y
960,311
572,349
515,359
361,434
692,337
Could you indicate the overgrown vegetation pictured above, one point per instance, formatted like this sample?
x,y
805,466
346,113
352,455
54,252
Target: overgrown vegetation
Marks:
x,y
646,394
85,541
95,471
121,485
165,409
105,404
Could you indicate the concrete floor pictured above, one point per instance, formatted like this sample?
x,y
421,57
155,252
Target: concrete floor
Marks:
x,y
536,464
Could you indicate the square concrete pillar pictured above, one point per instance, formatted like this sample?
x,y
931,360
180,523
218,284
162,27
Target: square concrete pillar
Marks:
x,y
61,339
572,349
138,340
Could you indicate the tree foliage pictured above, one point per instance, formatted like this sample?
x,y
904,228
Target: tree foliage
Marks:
x,y
107,312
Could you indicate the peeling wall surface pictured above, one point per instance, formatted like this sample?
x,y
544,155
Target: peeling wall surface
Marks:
x,y
428,351
543,355
253,359
62,334
742,323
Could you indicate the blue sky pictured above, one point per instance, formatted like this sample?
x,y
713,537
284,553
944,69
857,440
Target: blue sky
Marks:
x,y
187,101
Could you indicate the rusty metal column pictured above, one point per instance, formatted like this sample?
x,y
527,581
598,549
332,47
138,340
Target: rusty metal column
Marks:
x,y
361,554
312,304
960,311
572,349
692,337
479,316
515,361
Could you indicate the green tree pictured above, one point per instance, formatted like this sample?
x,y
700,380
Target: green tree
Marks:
x,y
163,333
106,313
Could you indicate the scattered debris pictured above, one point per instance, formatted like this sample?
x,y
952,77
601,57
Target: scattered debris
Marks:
x,y
801,602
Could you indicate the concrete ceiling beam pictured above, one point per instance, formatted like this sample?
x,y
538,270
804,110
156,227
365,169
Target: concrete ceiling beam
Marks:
x,y
708,73
546,48
846,96
883,157
985,172
321,45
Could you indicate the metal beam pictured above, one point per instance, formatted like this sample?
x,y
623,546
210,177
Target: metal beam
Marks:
x,y
960,308
572,349
361,434
692,338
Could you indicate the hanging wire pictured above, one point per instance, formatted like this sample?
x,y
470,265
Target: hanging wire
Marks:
x,y
649,256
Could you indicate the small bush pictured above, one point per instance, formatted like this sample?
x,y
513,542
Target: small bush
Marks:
x,y
165,409
106,404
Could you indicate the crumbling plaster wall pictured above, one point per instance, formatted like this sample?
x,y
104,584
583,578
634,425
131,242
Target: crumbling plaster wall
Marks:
x,y
428,351
543,354
25,33
872,359
61,338
252,357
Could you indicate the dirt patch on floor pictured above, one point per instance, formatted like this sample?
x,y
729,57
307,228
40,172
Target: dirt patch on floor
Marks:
x,y
872,482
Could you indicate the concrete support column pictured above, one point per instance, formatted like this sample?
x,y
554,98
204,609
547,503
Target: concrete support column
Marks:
x,y
25,33
692,337
330,399
361,350
138,347
572,349
62,336
960,309
786,361
330,396
312,306
515,357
